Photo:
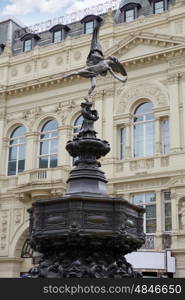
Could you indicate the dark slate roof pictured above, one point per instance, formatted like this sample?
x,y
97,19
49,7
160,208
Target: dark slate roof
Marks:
x,y
145,10
74,29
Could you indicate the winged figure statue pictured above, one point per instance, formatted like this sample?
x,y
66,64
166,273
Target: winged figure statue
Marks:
x,y
97,65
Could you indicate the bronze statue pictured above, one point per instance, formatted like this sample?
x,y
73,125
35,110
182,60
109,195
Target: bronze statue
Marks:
x,y
98,65
98,230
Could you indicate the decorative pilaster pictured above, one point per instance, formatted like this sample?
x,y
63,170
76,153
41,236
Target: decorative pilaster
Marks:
x,y
4,153
159,212
128,145
32,146
183,104
108,109
65,133
157,135
98,98
159,220
175,220
2,124
175,142
174,209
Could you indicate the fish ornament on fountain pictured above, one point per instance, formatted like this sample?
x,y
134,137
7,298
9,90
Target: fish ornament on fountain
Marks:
x,y
86,233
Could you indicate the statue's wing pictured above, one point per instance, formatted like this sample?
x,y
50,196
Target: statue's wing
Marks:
x,y
117,66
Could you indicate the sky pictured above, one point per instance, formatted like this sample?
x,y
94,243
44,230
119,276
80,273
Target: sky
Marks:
x,y
30,12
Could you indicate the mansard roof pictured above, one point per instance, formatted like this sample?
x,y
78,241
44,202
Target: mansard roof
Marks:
x,y
125,3
89,18
145,8
59,27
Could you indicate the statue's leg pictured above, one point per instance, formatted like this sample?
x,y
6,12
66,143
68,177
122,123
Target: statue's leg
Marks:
x,y
93,85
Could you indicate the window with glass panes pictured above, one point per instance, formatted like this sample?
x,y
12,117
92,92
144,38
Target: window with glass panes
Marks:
x,y
57,36
143,130
148,201
48,150
89,26
122,142
167,210
159,6
129,15
16,153
165,135
27,45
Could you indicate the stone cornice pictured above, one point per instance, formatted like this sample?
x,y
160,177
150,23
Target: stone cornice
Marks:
x,y
165,54
154,176
56,79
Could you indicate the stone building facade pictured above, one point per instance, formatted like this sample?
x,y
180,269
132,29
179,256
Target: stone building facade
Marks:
x,y
144,121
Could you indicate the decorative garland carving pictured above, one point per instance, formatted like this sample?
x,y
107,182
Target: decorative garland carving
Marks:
x,y
148,90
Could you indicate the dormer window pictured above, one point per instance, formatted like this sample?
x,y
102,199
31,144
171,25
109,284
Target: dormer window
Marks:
x,y
130,11
129,15
59,32
90,22
57,36
29,41
27,45
88,27
159,6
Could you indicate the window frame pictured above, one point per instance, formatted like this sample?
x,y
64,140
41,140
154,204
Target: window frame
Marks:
x,y
130,6
17,145
165,6
61,36
163,145
125,14
144,122
85,31
144,205
49,139
24,43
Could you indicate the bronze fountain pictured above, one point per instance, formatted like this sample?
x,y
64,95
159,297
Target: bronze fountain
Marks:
x,y
86,233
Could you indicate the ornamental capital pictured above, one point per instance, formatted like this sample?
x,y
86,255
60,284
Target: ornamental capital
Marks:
x,y
174,78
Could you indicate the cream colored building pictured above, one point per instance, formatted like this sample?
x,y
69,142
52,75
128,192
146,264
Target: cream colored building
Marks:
x,y
144,121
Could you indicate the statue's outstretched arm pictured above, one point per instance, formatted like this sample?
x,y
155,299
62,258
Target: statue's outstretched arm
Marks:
x,y
122,79
70,74
86,72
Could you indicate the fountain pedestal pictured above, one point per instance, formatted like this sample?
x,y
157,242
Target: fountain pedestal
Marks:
x,y
86,233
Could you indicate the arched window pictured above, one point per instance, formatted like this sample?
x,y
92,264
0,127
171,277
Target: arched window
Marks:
x,y
77,125
48,152
16,153
143,127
